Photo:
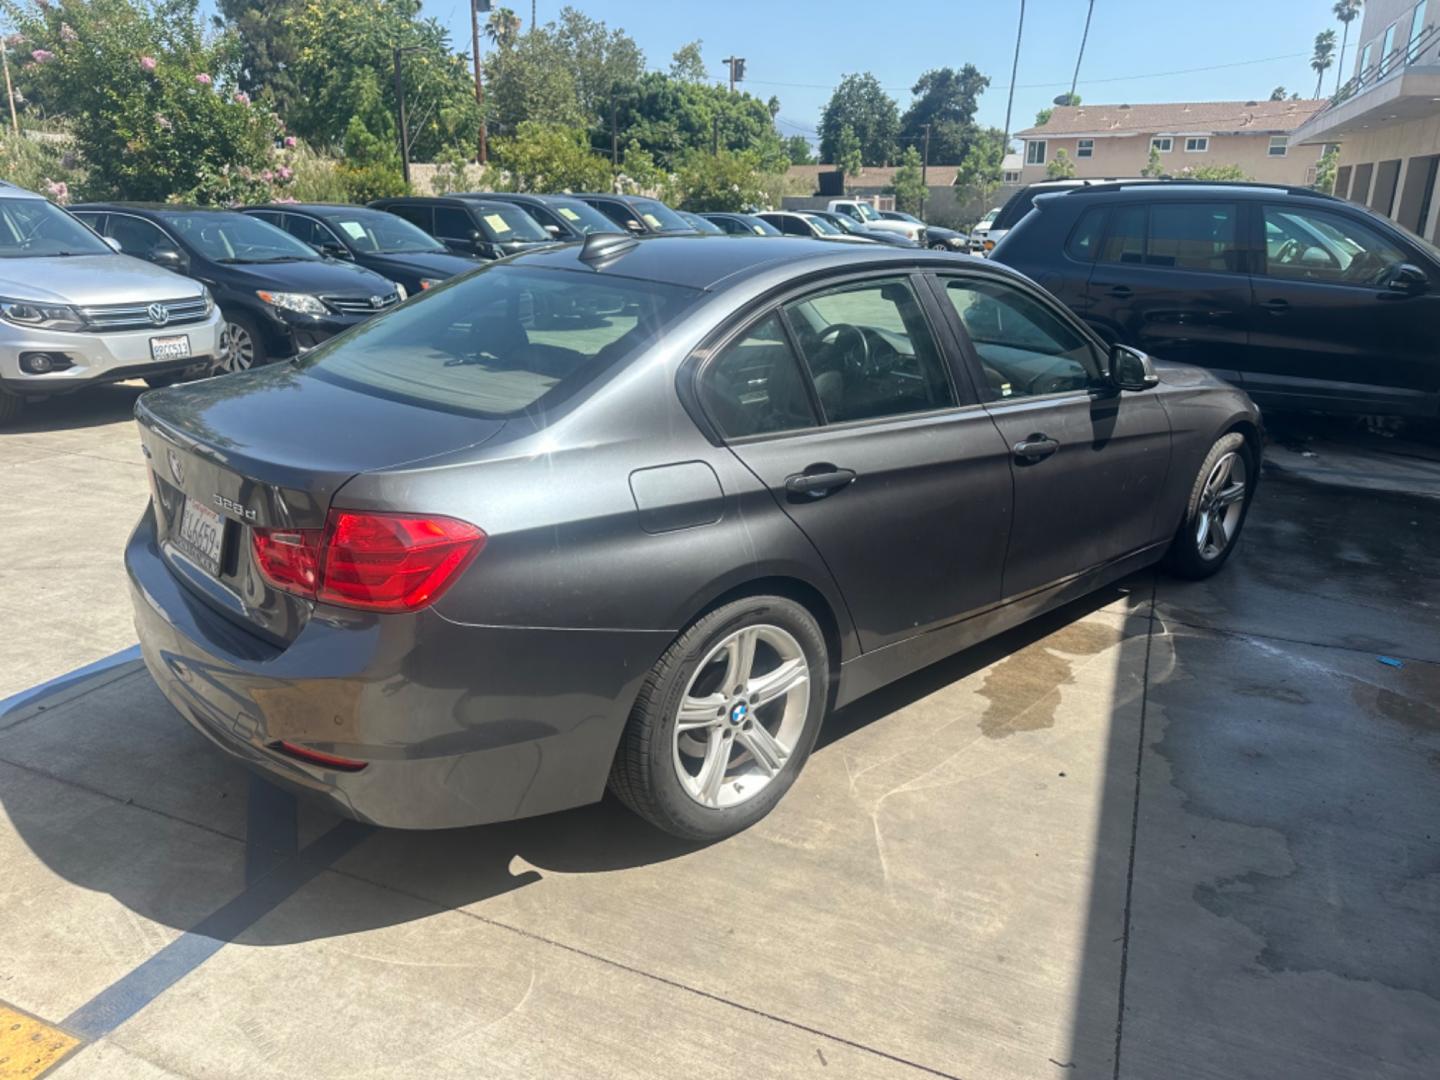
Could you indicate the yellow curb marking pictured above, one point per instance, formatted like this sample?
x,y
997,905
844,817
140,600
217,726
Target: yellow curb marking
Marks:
x,y
28,1047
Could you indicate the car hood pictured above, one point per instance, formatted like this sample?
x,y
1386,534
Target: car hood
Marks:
x,y
324,277
91,279
424,263
936,232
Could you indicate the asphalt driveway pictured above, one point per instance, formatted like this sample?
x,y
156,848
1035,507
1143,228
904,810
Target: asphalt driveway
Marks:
x,y
1173,830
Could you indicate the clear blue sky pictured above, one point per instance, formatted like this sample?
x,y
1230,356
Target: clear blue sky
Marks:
x,y
1139,50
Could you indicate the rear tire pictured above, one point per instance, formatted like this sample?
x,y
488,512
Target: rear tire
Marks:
x,y
1216,510
725,720
11,406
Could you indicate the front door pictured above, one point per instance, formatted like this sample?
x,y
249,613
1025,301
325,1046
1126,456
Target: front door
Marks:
x,y
900,483
1326,331
1088,463
1170,278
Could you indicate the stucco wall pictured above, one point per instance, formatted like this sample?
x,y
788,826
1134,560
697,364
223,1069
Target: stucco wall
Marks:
x,y
1127,155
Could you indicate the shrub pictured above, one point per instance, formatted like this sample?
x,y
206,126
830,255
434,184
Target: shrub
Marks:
x,y
550,157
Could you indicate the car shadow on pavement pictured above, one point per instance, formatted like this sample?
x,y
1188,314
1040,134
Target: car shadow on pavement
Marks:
x,y
94,406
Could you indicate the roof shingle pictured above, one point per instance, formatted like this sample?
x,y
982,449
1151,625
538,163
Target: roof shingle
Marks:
x,y
1197,117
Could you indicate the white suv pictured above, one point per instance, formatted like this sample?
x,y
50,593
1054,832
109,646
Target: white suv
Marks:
x,y
74,312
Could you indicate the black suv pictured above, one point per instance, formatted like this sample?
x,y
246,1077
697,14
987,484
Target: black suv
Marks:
x,y
637,213
470,224
564,217
1305,300
278,295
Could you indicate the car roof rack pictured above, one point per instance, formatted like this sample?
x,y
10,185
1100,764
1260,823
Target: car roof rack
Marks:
x,y
1185,181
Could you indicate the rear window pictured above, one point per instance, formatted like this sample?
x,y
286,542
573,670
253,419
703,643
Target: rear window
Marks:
x,y
1018,206
501,340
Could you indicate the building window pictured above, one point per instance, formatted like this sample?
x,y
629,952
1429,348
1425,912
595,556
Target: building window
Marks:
x,y
1279,144
1012,178
1197,146
1035,152
1162,143
1417,27
1365,59
1387,49
1084,147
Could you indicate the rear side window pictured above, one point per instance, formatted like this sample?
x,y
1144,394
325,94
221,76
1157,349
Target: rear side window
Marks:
x,y
754,385
501,340
1084,239
1181,236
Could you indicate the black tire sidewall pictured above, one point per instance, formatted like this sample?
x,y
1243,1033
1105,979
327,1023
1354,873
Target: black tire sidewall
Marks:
x,y
1185,557
257,342
683,814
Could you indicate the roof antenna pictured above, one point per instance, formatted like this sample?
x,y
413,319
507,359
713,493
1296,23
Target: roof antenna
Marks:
x,y
602,246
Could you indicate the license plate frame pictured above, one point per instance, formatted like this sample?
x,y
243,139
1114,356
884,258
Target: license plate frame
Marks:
x,y
170,347
201,535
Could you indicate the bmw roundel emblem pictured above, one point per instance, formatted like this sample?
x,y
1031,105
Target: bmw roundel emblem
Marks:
x,y
177,465
159,314
739,712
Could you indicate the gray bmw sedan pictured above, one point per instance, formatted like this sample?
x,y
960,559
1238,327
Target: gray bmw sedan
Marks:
x,y
642,512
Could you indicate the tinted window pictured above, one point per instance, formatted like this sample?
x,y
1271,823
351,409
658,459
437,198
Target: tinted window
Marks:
x,y
1018,206
501,340
1192,236
1084,239
137,237
270,217
236,238
870,351
1125,240
754,386
1024,349
417,214
617,213
31,228
453,223
1317,245
545,219
308,229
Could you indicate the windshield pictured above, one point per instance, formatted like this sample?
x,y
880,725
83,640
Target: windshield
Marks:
x,y
844,224
581,215
984,222
867,212
702,225
501,340
236,238
378,233
659,216
822,226
760,226
503,221
34,228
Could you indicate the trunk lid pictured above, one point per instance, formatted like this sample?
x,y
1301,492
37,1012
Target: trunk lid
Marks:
x,y
269,449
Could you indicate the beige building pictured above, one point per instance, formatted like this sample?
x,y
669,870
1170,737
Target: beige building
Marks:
x,y
1115,140
1386,118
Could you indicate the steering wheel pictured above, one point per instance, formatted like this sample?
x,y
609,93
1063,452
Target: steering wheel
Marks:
x,y
850,344
1288,252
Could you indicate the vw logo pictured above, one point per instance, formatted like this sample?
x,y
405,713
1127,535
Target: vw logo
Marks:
x,y
159,314
376,301
177,465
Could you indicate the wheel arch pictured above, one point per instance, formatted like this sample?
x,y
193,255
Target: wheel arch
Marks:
x,y
801,592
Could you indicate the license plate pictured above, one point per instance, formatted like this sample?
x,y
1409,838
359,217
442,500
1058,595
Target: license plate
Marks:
x,y
202,534
176,347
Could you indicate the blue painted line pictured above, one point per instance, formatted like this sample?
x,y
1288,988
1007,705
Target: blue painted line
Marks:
x,y
64,682
124,998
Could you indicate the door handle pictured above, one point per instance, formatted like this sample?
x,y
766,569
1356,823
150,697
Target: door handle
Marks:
x,y
1036,447
1121,292
1276,306
822,482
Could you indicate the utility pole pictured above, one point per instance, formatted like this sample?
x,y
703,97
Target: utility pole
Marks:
x,y
925,171
477,6
736,64
1014,70
9,89
1083,38
400,115
614,130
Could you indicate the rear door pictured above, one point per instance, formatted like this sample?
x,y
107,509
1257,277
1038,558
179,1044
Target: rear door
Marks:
x,y
1326,332
1088,462
1170,277
841,403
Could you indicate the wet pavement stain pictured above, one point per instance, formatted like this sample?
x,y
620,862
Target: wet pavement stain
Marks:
x,y
1023,688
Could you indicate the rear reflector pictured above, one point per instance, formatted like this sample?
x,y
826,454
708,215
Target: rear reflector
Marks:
x,y
370,561
316,757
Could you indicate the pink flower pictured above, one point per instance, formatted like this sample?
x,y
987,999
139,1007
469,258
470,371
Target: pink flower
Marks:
x,y
289,142
203,79
148,63
42,56
242,98
267,176
284,173
58,190
287,199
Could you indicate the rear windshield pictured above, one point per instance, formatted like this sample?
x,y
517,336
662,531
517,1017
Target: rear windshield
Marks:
x,y
502,339
1018,206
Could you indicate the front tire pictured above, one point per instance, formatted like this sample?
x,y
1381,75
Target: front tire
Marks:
x,y
246,346
725,720
1219,502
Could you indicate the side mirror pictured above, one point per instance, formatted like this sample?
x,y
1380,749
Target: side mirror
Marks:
x,y
114,244
168,257
1407,278
335,250
553,230
1131,369
634,226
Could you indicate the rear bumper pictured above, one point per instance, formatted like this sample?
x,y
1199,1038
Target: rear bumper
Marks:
x,y
459,725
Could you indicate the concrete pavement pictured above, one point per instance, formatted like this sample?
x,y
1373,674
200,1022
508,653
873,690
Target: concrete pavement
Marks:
x,y
1174,830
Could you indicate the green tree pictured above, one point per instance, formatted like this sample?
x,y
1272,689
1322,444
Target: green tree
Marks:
x,y
1154,166
532,82
979,171
860,104
599,58
1278,94
371,168
1325,170
668,118
502,27
799,151
1061,166
946,100
1043,117
550,157
908,184
1323,58
688,65
727,181
266,48
1347,11
848,156
154,106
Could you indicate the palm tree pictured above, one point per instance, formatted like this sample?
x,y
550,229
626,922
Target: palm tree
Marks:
x,y
503,27
1323,58
1347,11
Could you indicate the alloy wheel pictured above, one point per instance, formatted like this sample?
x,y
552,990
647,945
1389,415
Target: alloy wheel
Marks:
x,y
240,356
741,716
1222,503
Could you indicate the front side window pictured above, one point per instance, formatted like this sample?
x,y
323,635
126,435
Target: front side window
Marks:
x,y
1318,245
501,340
1024,349
1163,143
1180,236
1035,152
34,228
1279,145
618,213
754,386
228,237
1084,148
309,230
138,237
869,351
453,223
1197,145
418,214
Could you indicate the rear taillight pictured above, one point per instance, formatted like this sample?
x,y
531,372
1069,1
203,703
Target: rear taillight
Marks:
x,y
372,561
